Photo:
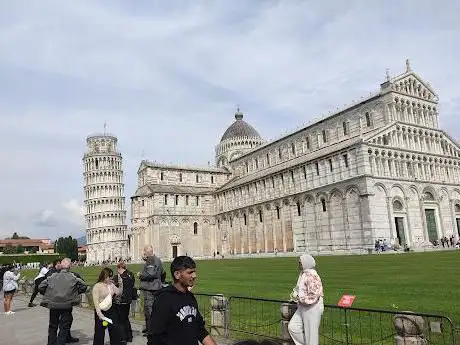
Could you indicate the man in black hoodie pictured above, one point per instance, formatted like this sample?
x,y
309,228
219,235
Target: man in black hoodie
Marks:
x,y
175,318
150,279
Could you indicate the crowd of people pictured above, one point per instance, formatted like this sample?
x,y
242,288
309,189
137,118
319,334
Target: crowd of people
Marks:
x,y
172,315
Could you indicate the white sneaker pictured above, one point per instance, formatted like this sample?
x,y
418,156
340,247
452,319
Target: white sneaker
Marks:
x,y
9,312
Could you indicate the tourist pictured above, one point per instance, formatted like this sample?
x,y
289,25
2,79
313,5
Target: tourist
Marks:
x,y
175,318
151,281
105,314
10,285
56,267
308,293
61,291
124,280
38,279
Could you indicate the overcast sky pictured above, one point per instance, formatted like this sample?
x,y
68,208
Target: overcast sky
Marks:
x,y
167,76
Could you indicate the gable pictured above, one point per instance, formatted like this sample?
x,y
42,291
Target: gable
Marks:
x,y
449,146
388,136
412,85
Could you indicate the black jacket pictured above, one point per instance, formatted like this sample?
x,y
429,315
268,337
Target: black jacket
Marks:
x,y
151,274
175,319
128,287
61,290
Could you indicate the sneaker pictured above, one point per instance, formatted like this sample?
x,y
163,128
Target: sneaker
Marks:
x,y
31,305
10,312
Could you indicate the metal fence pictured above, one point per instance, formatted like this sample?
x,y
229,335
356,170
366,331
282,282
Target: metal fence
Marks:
x,y
266,318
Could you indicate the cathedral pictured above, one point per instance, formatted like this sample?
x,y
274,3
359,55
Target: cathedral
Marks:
x,y
379,169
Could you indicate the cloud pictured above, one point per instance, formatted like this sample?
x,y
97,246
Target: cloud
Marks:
x,y
167,77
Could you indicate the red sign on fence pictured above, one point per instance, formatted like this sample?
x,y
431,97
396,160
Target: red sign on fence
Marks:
x,y
346,301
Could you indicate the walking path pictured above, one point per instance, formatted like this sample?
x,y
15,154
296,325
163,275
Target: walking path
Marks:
x,y
29,326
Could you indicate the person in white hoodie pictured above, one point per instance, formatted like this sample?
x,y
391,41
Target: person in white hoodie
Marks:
x,y
10,285
308,293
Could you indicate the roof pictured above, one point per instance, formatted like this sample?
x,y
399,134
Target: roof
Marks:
x,y
149,164
355,104
25,243
291,163
240,128
152,188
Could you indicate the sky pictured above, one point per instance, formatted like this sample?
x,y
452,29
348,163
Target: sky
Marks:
x,y
166,77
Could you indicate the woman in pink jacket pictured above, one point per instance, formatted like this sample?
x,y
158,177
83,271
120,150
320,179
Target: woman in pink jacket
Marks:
x,y
308,293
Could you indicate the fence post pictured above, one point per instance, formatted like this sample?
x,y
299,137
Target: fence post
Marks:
x,y
410,330
287,311
220,315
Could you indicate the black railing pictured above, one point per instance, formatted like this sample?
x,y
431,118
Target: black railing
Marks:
x,y
263,318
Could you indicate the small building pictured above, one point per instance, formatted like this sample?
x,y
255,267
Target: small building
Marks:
x,y
30,245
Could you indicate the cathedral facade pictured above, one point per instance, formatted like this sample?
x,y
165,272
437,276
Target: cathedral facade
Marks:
x,y
380,169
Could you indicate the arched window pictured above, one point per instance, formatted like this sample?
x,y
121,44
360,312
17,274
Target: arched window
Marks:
x,y
180,177
245,219
324,136
195,228
166,199
397,205
293,148
457,208
277,212
323,204
299,209
428,196
162,176
212,179
345,128
260,216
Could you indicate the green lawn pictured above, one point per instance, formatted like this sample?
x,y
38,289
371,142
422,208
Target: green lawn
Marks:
x,y
421,282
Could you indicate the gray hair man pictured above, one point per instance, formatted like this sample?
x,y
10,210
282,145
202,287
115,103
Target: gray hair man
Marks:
x,y
150,278
61,292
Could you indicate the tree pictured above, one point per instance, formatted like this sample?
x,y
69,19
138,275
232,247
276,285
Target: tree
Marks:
x,y
17,237
67,246
9,249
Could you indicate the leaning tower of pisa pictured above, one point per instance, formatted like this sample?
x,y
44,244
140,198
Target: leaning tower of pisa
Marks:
x,y
106,230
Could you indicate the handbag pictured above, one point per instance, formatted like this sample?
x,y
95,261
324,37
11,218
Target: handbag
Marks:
x,y
106,303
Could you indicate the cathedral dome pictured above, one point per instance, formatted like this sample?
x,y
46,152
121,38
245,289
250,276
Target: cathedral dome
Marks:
x,y
240,128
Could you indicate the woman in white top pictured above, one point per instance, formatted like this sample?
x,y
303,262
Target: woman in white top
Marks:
x,y
10,285
38,279
105,314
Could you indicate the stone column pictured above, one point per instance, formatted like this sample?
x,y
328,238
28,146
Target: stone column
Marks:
x,y
287,311
409,329
220,316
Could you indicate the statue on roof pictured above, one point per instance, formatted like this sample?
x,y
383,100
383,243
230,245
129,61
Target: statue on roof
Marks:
x,y
408,69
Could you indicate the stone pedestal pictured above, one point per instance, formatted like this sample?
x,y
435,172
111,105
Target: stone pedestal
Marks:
x,y
410,329
287,311
220,316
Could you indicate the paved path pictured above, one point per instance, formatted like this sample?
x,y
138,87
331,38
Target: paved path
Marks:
x,y
29,326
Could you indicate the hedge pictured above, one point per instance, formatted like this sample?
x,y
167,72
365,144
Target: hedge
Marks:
x,y
6,259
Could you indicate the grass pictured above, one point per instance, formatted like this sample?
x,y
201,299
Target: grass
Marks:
x,y
420,282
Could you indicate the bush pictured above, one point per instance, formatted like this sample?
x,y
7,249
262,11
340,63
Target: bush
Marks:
x,y
26,259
